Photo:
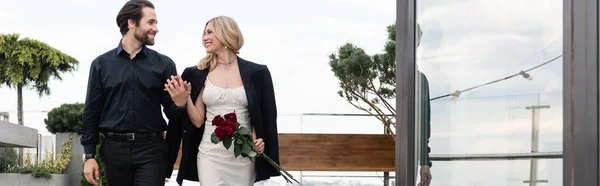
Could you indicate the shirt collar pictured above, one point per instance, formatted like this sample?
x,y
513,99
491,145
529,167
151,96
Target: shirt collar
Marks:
x,y
143,49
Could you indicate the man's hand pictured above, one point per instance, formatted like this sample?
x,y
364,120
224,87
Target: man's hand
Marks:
x,y
425,175
178,89
90,170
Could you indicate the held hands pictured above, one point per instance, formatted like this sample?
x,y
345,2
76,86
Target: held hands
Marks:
x,y
178,89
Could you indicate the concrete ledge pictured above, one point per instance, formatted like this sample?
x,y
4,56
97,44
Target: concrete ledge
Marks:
x,y
13,135
15,179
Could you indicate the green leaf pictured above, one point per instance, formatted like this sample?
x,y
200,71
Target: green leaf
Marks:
x,y
252,154
214,138
246,148
227,143
251,143
249,137
237,150
239,141
244,131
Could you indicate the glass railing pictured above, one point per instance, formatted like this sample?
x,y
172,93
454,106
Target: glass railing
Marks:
x,y
512,166
452,166
497,140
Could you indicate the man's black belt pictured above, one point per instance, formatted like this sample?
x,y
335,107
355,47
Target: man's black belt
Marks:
x,y
131,136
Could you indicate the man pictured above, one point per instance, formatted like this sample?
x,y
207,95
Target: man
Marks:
x,y
424,120
123,102
425,132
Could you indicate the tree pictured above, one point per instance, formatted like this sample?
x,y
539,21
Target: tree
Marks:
x,y
368,82
28,63
65,118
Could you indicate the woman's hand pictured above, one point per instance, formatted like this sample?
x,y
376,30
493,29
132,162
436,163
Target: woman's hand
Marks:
x,y
178,89
259,146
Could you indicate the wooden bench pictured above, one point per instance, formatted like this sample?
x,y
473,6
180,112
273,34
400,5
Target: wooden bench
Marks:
x,y
335,152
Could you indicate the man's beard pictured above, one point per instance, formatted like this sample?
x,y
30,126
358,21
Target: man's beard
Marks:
x,y
143,37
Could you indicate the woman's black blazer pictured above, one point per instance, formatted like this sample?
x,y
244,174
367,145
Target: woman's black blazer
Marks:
x,y
263,112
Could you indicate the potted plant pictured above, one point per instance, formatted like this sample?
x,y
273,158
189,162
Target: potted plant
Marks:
x,y
49,172
65,121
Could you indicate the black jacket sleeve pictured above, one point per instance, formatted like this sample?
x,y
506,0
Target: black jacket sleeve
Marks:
x,y
174,135
269,108
169,107
426,120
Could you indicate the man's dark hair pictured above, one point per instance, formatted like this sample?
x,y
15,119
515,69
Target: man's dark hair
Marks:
x,y
132,10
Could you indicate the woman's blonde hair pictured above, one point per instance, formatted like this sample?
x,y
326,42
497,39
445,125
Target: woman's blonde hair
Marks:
x,y
228,33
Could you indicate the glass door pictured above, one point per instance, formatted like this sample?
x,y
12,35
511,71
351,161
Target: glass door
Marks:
x,y
488,92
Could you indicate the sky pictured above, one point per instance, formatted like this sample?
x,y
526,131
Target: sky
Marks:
x,y
464,43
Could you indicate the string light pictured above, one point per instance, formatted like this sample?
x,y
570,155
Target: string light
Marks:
x,y
455,95
524,73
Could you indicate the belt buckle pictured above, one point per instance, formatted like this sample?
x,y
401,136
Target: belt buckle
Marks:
x,y
132,136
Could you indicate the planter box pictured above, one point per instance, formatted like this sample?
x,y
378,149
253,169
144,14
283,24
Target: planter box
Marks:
x,y
14,179
75,166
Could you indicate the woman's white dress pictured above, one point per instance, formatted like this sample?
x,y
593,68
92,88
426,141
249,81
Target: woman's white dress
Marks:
x,y
218,166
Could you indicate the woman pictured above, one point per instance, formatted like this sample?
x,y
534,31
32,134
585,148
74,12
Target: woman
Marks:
x,y
222,83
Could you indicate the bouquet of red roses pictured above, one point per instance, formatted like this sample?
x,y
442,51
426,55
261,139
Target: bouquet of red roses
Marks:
x,y
229,131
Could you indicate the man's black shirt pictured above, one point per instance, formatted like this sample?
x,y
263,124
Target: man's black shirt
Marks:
x,y
125,95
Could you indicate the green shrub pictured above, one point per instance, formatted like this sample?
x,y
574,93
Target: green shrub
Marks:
x,y
8,159
36,171
65,118
50,165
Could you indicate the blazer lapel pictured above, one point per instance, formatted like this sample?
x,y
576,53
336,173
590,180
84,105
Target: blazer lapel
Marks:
x,y
197,82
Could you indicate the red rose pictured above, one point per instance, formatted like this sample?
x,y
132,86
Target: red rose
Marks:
x,y
219,133
228,132
228,124
217,120
231,117
223,132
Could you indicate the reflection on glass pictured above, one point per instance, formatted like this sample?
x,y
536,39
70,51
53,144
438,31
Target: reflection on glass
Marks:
x,y
488,83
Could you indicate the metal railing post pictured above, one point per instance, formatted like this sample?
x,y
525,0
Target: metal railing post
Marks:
x,y
535,127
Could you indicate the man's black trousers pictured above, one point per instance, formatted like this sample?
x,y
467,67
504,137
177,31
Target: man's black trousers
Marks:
x,y
134,159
